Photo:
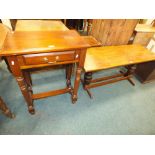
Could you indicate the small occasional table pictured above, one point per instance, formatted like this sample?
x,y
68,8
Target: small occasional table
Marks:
x,y
34,49
107,57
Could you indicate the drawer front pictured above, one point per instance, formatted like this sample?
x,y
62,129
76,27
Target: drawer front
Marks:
x,y
48,58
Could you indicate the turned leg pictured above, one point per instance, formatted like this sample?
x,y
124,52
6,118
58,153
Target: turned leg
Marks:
x,y
81,56
22,82
131,71
87,78
28,79
68,77
26,93
5,109
87,81
76,84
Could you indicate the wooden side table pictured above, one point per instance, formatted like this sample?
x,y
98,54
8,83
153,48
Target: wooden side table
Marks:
x,y
28,50
107,57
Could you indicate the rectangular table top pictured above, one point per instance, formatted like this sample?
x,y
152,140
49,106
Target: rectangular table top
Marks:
x,y
40,25
99,58
18,43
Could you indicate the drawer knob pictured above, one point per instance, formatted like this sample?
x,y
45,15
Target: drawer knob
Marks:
x,y
46,59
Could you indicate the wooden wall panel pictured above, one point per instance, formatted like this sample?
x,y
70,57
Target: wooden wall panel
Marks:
x,y
104,30
113,31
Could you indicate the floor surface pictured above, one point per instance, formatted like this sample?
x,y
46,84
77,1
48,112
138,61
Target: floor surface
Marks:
x,y
118,108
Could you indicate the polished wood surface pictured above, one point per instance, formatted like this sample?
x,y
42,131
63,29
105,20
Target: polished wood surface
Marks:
x,y
40,25
107,57
114,56
144,28
29,50
113,31
3,32
48,58
18,43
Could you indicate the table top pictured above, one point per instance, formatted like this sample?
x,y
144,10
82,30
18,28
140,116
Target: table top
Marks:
x,y
40,25
3,32
99,58
18,42
144,28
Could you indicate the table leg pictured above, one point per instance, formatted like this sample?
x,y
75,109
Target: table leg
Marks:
x,y
131,71
76,84
18,74
5,109
87,81
81,54
87,78
28,79
69,69
26,93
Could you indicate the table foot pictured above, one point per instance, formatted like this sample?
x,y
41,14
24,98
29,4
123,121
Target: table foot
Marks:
x,y
86,89
131,82
129,72
74,99
9,114
89,93
31,110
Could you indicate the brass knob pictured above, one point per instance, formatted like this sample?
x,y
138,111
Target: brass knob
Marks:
x,y
46,59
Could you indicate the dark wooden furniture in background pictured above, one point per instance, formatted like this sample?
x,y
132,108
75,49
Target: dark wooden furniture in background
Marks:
x,y
5,109
107,57
28,50
145,72
74,24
